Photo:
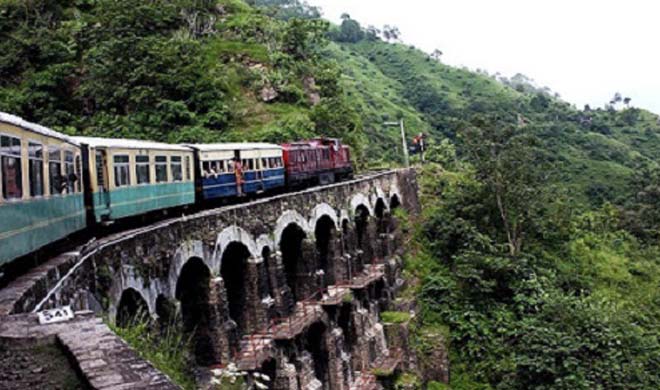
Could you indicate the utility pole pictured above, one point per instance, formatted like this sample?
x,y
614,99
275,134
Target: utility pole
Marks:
x,y
406,157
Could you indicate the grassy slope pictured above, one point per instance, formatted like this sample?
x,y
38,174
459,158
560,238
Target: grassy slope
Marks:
x,y
378,98
394,79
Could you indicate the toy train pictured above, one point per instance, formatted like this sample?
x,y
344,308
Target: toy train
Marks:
x,y
53,185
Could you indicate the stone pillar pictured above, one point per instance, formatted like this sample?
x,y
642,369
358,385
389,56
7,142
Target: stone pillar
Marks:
x,y
255,313
307,280
336,265
349,252
336,361
369,241
218,320
306,375
283,294
267,291
360,351
396,237
286,377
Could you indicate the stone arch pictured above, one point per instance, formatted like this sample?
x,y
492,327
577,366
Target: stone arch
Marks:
x,y
166,311
395,201
315,343
322,210
193,291
193,249
130,277
325,232
381,212
265,241
230,235
395,193
380,208
379,195
285,220
234,272
358,200
269,369
290,244
132,307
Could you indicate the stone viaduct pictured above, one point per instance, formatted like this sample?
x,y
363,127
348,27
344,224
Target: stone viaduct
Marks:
x,y
290,286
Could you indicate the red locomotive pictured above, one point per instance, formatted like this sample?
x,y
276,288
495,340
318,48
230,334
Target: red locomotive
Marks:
x,y
317,161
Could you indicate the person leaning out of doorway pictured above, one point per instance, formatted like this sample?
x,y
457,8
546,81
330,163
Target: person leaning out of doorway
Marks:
x,y
238,171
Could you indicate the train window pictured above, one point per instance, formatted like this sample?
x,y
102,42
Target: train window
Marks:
x,y
122,171
142,169
12,177
264,163
57,184
161,169
177,171
230,166
187,169
70,178
36,168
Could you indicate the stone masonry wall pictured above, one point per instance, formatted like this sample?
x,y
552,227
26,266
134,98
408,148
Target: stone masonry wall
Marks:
x,y
315,316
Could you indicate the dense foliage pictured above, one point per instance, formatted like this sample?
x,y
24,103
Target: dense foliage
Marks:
x,y
574,306
183,70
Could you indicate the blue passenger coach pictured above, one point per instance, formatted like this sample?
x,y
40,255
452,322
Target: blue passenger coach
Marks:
x,y
263,169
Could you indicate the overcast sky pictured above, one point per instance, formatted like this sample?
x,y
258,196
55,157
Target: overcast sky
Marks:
x,y
586,50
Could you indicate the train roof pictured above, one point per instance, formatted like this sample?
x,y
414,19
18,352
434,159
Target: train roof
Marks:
x,y
22,123
121,143
234,146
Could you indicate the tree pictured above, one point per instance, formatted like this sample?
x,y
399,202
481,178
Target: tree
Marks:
x,y
350,30
513,170
626,101
288,9
391,33
437,54
302,39
373,33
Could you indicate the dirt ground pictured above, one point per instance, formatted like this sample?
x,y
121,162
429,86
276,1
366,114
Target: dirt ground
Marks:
x,y
36,364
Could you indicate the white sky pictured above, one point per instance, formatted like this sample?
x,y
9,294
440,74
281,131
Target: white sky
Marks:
x,y
586,50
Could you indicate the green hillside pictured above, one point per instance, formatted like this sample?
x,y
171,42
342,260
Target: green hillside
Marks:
x,y
206,70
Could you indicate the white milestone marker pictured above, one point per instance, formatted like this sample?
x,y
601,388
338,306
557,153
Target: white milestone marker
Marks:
x,y
61,314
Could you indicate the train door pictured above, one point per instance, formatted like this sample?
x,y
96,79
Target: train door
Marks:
x,y
260,166
102,196
239,173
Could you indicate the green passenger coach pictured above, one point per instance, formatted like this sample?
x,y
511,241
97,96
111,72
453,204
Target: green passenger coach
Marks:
x,y
131,177
41,194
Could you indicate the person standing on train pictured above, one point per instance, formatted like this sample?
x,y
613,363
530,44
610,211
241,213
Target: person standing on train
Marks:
x,y
238,171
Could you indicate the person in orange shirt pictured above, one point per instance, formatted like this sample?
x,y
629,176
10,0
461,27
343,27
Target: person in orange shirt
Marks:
x,y
238,171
